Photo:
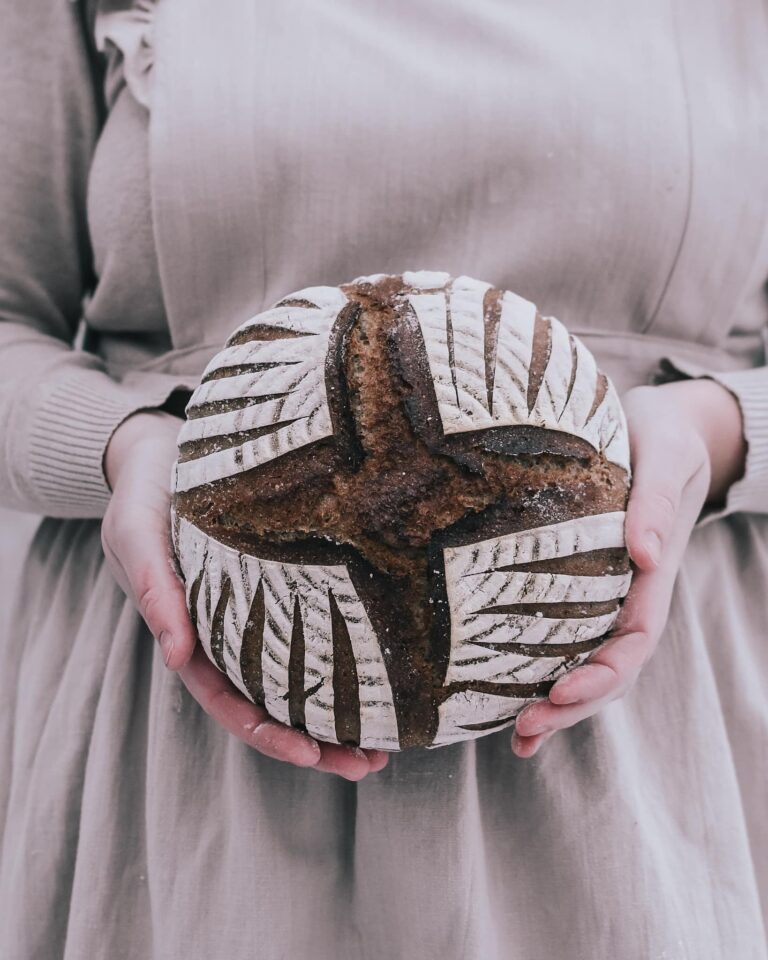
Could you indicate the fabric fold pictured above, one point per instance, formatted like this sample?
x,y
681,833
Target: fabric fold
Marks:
x,y
130,33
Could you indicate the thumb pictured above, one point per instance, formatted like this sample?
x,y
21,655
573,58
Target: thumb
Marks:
x,y
663,465
137,544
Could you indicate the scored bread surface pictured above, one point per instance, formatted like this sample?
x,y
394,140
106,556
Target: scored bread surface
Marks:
x,y
398,508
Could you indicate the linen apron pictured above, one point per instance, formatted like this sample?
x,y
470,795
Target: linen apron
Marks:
x,y
137,827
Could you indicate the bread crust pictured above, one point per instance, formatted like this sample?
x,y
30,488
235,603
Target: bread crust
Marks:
x,y
419,459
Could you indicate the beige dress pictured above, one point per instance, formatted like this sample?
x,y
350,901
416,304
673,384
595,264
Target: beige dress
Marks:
x,y
606,160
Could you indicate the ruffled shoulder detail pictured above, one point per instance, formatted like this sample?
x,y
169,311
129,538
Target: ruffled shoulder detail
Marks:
x,y
127,34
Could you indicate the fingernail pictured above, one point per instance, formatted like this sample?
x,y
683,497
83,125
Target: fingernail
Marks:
x,y
166,645
652,544
516,746
378,763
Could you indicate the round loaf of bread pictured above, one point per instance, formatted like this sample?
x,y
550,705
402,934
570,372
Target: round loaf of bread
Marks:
x,y
398,508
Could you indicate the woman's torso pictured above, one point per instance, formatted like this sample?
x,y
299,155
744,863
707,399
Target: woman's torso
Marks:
x,y
606,161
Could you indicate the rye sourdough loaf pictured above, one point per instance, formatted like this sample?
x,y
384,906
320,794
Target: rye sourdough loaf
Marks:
x,y
398,508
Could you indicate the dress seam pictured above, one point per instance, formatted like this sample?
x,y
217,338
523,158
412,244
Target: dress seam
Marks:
x,y
689,197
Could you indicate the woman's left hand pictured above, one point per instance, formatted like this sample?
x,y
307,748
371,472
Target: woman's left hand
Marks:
x,y
686,448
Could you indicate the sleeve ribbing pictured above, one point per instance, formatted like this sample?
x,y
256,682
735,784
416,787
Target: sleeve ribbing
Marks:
x,y
58,406
749,494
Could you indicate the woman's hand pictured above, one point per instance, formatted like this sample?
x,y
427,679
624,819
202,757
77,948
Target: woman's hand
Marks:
x,y
137,543
687,448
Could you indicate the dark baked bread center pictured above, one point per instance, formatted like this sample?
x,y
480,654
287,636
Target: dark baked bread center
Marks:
x,y
388,481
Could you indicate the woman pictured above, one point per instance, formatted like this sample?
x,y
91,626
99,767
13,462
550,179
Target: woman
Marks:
x,y
183,166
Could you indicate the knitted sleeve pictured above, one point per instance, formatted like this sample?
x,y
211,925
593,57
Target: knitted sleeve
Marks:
x,y
58,406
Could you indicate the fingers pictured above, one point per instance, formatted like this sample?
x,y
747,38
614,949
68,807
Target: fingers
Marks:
x,y
254,726
240,717
526,747
613,668
137,544
592,681
353,763
669,487
611,671
592,687
377,759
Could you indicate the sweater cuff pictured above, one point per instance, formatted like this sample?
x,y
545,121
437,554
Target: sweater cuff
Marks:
x,y
750,387
69,434
749,494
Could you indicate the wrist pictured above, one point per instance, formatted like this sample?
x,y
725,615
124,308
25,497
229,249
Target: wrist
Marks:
x,y
144,426
715,415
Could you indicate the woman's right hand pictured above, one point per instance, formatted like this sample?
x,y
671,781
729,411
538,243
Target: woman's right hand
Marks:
x,y
136,537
